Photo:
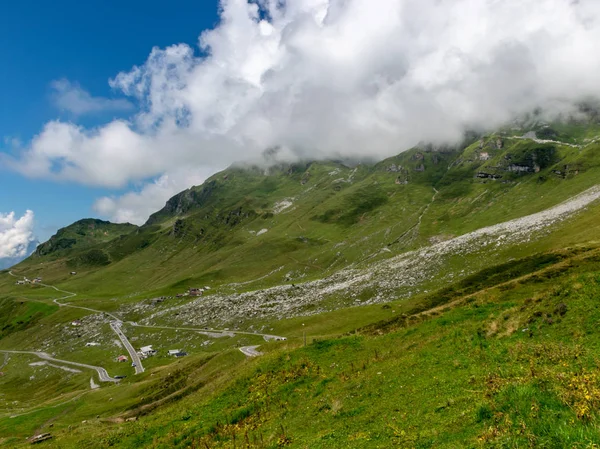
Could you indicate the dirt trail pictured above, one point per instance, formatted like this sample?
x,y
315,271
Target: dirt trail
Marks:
x,y
6,360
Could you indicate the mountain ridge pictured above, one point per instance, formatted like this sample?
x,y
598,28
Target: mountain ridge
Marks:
x,y
81,234
307,208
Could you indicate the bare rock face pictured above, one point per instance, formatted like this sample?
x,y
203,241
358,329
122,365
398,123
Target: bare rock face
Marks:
x,y
305,178
184,202
178,228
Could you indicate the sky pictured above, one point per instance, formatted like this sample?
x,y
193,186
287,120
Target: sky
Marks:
x,y
58,58
108,108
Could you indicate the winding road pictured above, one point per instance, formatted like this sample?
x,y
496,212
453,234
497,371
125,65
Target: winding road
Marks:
x,y
114,325
102,373
250,351
72,295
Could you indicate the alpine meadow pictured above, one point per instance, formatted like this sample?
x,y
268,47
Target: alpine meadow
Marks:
x,y
403,250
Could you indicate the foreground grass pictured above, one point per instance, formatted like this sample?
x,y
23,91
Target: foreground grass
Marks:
x,y
497,362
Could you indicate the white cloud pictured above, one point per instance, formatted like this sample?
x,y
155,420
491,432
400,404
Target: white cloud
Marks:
x,y
15,234
330,78
72,98
135,207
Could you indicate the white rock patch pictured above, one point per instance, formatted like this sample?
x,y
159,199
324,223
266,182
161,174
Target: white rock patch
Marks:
x,y
282,205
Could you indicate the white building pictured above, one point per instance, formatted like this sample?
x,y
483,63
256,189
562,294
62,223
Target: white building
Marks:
x,y
147,351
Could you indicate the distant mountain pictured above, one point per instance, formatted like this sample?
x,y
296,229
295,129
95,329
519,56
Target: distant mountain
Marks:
x,y
8,262
81,235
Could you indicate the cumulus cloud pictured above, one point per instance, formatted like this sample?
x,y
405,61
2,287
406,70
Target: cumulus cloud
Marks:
x,y
330,78
136,206
16,235
71,97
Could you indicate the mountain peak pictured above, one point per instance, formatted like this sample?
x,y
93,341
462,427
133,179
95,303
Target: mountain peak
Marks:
x,y
83,233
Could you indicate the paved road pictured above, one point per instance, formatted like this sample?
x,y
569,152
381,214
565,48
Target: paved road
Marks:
x,y
116,327
250,351
71,295
102,373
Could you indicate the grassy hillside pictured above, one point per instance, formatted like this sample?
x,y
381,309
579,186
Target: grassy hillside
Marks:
x,y
82,235
303,221
463,337
18,315
502,361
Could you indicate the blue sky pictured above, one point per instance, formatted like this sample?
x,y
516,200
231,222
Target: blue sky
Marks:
x,y
85,42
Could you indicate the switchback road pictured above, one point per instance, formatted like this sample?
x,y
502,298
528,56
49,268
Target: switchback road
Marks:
x,y
250,351
114,325
102,373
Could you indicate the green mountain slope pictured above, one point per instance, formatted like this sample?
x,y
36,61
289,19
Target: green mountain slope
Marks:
x,y
502,361
475,269
81,235
512,365
304,221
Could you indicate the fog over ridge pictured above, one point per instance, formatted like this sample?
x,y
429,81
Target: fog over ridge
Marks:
x,y
325,79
